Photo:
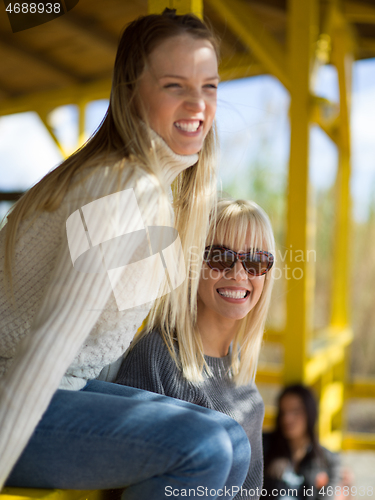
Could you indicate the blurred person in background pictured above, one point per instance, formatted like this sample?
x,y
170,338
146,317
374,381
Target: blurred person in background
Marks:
x,y
293,458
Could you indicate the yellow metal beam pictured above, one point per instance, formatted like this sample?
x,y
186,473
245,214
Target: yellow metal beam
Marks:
x,y
242,21
330,404
332,398
49,100
269,374
302,21
342,57
157,6
43,115
274,336
328,356
181,6
13,44
188,6
325,113
358,12
358,441
34,494
332,441
361,388
339,372
81,123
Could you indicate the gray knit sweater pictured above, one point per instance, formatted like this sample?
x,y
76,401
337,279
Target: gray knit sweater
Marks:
x,y
149,366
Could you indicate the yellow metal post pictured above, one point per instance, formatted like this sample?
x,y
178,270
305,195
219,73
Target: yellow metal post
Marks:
x,y
242,21
343,60
303,32
81,123
181,6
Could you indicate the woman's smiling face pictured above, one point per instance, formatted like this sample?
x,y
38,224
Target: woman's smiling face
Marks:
x,y
178,91
229,294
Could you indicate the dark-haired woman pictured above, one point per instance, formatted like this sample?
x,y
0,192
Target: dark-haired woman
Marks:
x,y
295,464
81,266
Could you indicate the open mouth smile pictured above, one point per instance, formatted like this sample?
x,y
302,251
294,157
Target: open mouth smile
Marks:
x,y
190,126
233,295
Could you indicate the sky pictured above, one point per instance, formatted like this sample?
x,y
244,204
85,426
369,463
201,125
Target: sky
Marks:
x,y
252,120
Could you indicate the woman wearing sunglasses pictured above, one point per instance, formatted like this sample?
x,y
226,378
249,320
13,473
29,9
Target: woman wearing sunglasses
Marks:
x,y
213,359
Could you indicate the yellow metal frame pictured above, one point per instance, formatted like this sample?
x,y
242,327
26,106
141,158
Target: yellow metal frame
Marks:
x,y
240,18
45,102
181,6
300,226
358,441
308,48
296,67
33,494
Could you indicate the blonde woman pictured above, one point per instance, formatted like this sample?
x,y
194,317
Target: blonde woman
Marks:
x,y
213,359
76,284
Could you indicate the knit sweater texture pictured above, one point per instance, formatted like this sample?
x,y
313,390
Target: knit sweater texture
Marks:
x,y
64,325
148,365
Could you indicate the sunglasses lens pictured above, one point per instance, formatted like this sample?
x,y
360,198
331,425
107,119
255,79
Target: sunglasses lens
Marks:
x,y
219,259
259,263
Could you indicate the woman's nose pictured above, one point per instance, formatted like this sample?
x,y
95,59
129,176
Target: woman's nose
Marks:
x,y
237,272
195,102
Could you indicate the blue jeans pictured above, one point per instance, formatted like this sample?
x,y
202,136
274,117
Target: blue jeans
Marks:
x,y
113,436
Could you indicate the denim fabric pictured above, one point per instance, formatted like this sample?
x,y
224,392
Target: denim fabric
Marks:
x,y
112,436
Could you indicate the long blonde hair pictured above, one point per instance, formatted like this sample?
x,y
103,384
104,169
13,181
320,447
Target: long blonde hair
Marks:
x,y
231,224
122,134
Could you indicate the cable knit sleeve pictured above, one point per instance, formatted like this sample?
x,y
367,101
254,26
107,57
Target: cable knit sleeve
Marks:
x,y
71,305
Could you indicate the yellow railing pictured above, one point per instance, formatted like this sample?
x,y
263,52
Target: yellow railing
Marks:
x,y
324,370
33,494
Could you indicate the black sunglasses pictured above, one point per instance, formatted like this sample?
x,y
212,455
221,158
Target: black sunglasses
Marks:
x,y
256,262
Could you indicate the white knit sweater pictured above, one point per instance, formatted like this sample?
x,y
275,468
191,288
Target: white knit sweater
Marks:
x,y
65,325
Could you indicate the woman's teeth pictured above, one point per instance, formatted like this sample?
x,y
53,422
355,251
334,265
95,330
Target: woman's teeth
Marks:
x,y
233,295
188,126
